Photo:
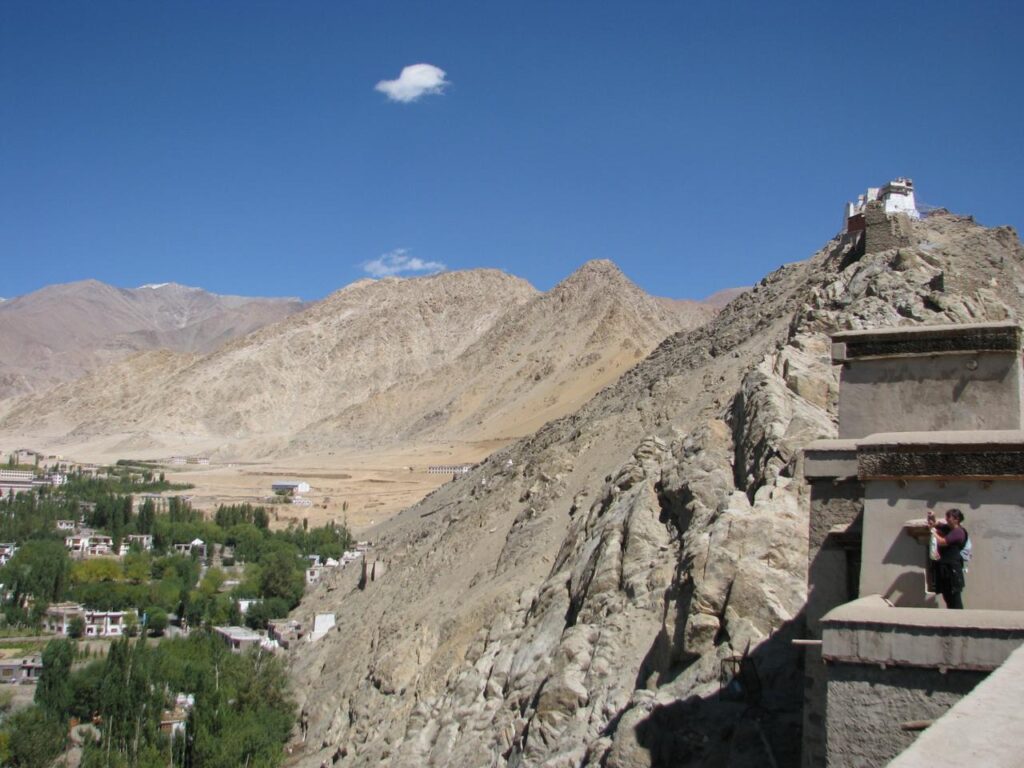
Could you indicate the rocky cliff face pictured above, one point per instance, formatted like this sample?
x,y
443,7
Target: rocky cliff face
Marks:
x,y
571,601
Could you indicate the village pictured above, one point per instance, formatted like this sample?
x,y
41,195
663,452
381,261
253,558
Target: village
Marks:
x,y
125,556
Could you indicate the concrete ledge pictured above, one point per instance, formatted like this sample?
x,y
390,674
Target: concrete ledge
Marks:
x,y
918,529
985,728
871,631
961,454
830,458
925,340
954,438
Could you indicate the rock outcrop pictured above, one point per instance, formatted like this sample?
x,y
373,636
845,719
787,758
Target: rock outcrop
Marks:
x,y
574,600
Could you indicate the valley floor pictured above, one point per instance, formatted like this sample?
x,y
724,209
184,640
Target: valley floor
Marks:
x,y
358,488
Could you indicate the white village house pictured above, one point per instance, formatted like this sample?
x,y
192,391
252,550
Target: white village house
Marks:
x,y
21,671
89,544
59,617
195,547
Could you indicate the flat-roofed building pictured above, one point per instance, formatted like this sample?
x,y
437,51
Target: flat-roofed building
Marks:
x,y
143,541
449,469
15,481
290,486
239,639
195,547
20,671
100,546
931,419
96,623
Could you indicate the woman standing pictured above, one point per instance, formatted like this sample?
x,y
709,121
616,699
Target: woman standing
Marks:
x,y
949,568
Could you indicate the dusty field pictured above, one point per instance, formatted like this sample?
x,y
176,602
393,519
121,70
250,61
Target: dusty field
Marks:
x,y
360,490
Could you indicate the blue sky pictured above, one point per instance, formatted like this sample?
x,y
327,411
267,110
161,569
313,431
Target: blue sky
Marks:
x,y
244,147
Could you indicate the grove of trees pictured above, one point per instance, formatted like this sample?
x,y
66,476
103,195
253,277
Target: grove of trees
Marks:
x,y
242,713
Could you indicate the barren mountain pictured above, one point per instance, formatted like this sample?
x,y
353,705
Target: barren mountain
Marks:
x,y
337,352
569,602
461,355
62,331
540,360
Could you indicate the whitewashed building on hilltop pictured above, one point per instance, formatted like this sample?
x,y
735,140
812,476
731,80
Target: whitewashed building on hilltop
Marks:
x,y
895,197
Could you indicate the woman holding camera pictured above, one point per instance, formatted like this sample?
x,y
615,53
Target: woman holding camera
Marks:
x,y
949,568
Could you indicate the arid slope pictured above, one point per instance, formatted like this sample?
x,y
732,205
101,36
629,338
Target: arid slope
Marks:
x,y
569,601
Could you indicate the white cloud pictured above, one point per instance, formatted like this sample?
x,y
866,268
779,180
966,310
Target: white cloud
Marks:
x,y
415,80
399,262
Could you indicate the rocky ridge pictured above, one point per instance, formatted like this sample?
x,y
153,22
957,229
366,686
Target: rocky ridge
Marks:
x,y
570,602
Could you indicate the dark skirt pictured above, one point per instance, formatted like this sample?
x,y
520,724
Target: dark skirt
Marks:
x,y
948,577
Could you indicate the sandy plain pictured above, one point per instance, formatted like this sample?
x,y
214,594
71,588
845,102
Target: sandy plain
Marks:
x,y
358,489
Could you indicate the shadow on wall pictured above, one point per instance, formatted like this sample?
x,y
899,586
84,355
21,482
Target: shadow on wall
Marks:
x,y
906,550
909,591
737,727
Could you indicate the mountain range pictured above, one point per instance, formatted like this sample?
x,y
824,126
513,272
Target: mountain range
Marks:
x,y
473,356
62,331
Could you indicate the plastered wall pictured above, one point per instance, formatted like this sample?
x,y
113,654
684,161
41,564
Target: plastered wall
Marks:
x,y
952,391
995,522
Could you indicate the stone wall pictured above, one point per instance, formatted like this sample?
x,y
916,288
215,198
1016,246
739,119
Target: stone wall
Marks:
x,y
884,231
867,704
887,666
985,728
833,574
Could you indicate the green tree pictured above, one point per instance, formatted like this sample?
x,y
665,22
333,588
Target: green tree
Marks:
x,y
282,573
34,739
252,576
131,624
248,541
85,690
156,621
39,569
211,582
53,691
96,569
76,627
137,566
130,700
147,515
259,614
